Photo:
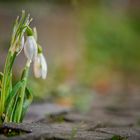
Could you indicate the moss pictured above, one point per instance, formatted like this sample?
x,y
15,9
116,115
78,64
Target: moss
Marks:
x,y
116,137
10,132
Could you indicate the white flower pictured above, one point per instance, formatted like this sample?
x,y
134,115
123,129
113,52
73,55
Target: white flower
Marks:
x,y
40,66
30,48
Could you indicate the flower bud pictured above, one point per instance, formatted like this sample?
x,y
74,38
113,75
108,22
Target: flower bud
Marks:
x,y
30,48
40,66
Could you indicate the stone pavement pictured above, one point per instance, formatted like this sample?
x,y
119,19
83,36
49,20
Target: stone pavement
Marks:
x,y
105,121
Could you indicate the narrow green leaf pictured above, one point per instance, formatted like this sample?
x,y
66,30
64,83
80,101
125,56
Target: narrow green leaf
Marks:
x,y
1,76
27,101
12,99
14,91
8,86
15,114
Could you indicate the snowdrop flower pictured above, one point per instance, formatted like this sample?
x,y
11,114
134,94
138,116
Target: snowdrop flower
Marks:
x,y
30,48
40,66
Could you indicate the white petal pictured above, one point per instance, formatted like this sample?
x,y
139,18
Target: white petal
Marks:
x,y
37,69
35,51
43,66
30,48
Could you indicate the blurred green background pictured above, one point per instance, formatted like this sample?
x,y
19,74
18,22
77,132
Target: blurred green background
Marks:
x,y
91,46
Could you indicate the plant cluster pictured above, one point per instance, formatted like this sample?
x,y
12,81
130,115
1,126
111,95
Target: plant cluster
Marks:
x,y
15,99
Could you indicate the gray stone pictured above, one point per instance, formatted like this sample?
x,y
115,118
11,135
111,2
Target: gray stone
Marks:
x,y
39,131
134,138
121,131
39,111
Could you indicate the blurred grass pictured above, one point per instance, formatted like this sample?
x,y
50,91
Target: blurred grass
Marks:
x,y
111,44
108,32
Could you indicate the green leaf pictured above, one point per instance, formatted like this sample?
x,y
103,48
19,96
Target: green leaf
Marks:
x,y
14,91
1,76
12,100
27,101
8,86
15,113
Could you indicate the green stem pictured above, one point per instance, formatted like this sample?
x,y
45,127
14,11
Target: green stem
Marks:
x,y
5,81
22,91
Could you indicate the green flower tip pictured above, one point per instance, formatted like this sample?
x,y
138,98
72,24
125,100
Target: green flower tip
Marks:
x,y
39,49
29,31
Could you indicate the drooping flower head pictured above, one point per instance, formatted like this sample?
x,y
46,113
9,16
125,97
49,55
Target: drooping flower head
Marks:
x,y
30,47
40,65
